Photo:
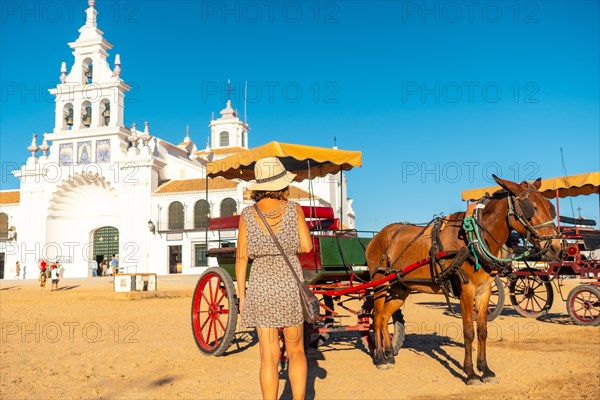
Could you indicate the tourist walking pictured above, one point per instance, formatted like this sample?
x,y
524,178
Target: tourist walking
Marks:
x,y
43,275
17,269
272,299
54,277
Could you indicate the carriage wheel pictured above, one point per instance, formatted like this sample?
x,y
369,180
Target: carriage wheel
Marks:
x,y
397,336
496,299
531,295
583,305
214,312
399,331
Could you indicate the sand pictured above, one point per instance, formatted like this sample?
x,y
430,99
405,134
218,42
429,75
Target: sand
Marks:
x,y
87,342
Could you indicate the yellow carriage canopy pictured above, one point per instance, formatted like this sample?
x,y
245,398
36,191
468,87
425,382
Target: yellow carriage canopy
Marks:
x,y
304,161
565,186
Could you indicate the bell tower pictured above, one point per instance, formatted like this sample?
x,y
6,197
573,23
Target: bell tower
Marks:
x,y
91,96
229,130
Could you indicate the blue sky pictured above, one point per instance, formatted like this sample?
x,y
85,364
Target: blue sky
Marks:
x,y
437,95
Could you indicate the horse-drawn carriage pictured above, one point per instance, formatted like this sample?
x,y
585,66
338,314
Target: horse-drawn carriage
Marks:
x,y
376,271
530,281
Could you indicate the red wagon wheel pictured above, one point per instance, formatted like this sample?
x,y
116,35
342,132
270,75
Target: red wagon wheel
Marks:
x,y
531,295
214,312
583,305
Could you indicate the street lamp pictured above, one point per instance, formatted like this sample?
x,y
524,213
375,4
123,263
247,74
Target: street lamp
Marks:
x,y
151,226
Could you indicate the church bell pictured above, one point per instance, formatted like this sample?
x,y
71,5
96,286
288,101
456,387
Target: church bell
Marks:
x,y
106,113
89,72
86,118
69,117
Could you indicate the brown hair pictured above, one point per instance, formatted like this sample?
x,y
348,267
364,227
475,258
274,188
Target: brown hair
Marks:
x,y
258,195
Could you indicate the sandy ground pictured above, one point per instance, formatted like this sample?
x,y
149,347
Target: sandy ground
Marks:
x,y
87,342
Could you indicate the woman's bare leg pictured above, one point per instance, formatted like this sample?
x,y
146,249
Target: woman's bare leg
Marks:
x,y
294,346
268,341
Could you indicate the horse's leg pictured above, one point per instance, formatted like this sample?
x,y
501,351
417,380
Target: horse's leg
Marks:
x,y
378,307
482,301
467,298
390,308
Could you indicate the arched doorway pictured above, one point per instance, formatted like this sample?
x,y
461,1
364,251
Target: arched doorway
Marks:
x,y
105,246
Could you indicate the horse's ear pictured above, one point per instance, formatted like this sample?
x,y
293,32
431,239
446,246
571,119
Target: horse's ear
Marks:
x,y
537,183
508,185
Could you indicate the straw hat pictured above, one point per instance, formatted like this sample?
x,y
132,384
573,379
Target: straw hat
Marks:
x,y
271,175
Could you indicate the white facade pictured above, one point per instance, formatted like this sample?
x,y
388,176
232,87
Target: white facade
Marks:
x,y
100,185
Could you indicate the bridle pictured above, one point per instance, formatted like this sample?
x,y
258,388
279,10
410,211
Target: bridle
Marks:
x,y
519,207
515,209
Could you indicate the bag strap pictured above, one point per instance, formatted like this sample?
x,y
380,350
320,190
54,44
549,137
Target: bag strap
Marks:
x,y
287,260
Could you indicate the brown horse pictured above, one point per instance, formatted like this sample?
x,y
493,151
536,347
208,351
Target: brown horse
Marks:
x,y
472,263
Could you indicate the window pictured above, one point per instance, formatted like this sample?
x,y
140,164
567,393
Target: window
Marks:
x,y
200,255
201,214
3,226
228,207
176,215
224,139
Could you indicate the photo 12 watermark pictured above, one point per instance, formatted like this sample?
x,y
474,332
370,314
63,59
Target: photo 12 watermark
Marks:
x,y
469,92
39,92
454,12
69,332
253,92
52,12
72,172
517,332
254,12
467,171
66,252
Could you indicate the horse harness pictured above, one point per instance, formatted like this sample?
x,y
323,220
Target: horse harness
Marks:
x,y
440,273
519,207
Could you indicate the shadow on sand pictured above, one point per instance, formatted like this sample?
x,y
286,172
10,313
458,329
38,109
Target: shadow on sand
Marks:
x,y
71,287
11,288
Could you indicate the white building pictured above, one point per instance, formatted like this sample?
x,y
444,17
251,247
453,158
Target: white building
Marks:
x,y
99,188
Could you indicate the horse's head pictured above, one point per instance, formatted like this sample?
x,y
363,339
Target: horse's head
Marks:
x,y
532,215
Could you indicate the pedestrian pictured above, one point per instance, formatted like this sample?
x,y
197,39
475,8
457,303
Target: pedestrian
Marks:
x,y
94,268
54,277
105,267
273,298
17,269
113,265
43,276
61,271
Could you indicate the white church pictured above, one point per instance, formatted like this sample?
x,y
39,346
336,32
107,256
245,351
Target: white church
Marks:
x,y
94,188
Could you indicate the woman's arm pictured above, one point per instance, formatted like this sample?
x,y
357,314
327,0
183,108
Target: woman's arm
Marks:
x,y
303,232
241,262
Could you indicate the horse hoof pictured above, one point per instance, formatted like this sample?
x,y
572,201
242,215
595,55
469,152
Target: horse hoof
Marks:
x,y
389,358
474,381
489,379
383,366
